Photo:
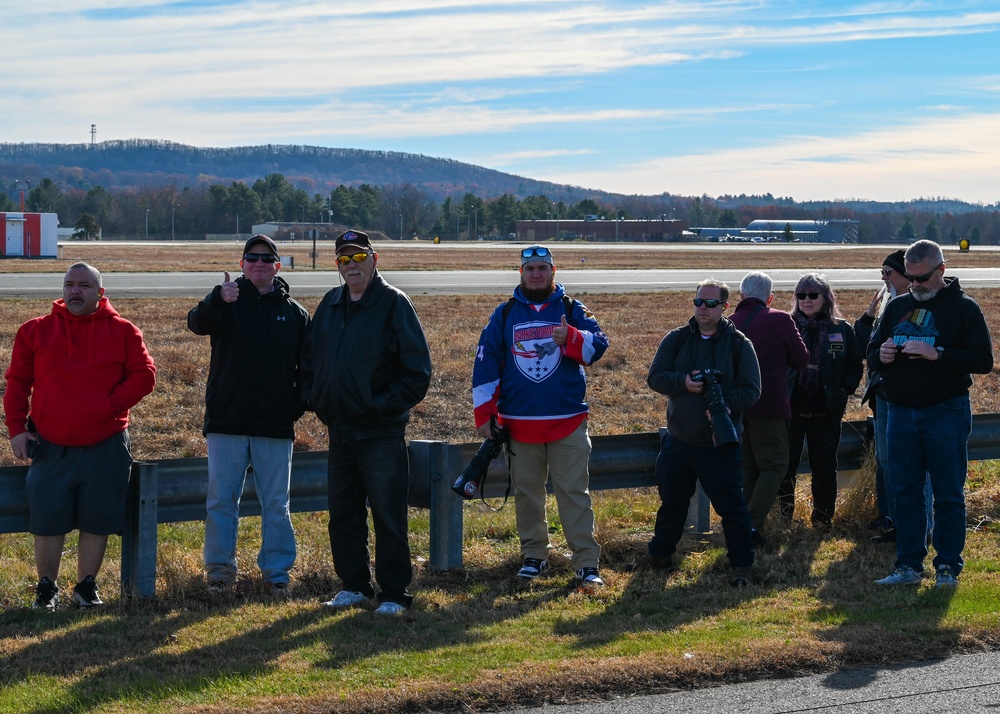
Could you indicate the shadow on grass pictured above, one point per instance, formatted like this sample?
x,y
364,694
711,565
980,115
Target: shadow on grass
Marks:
x,y
877,624
139,649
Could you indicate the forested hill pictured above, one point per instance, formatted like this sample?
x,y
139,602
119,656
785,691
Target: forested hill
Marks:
x,y
138,163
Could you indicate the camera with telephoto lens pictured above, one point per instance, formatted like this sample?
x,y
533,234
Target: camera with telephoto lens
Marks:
x,y
468,482
723,429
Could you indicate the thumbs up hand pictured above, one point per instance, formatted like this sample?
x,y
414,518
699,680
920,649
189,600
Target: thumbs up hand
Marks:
x,y
230,290
560,334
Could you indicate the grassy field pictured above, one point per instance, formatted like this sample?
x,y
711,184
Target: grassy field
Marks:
x,y
477,639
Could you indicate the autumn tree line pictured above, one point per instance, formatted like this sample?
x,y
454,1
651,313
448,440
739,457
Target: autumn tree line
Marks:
x,y
405,211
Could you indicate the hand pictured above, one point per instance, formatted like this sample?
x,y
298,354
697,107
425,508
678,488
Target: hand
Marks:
x,y
887,352
918,349
485,431
230,290
19,444
873,305
693,386
561,333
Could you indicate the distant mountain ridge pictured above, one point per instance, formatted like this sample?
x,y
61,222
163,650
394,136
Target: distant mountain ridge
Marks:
x,y
135,163
123,164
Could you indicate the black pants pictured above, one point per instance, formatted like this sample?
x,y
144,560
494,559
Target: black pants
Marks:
x,y
822,433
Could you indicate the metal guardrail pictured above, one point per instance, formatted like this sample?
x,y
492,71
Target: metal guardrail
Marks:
x,y
174,490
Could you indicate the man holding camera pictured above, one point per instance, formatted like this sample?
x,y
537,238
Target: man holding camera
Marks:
x,y
529,376
709,372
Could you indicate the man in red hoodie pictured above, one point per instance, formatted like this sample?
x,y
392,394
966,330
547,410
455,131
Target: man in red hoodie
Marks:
x,y
73,376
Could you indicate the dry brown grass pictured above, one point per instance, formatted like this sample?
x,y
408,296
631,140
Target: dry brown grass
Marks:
x,y
167,424
422,255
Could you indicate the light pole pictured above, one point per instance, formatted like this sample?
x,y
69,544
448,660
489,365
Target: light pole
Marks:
x,y
475,218
401,226
147,224
172,223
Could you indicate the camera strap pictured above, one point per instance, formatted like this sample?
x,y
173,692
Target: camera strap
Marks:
x,y
510,482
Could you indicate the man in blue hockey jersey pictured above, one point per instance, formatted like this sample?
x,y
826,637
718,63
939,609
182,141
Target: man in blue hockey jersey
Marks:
x,y
528,376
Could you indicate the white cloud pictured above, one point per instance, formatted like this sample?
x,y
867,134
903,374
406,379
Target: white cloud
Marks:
x,y
956,157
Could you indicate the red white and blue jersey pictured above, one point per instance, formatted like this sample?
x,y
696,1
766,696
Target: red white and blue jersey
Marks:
x,y
535,387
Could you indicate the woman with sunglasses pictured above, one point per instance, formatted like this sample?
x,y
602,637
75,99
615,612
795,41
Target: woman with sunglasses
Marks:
x,y
819,395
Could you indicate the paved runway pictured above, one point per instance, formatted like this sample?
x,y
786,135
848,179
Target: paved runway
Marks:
x,y
306,282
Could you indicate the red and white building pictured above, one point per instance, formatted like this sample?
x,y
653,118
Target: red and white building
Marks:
x,y
29,235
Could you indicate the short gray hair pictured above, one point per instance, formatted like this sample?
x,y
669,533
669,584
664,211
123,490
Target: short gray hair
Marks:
x,y
756,285
90,269
922,250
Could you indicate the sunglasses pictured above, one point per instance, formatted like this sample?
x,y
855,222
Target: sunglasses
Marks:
x,y
886,271
923,278
539,252
707,302
357,258
803,296
254,257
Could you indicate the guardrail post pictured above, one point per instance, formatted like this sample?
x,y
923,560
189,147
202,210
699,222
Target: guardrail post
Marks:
x,y
138,576
437,464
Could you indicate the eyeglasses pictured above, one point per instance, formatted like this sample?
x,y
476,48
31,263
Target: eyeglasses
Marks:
x,y
266,257
925,277
538,251
707,302
803,296
357,258
886,272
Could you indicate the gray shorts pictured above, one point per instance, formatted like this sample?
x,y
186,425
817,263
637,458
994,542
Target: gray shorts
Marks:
x,y
79,487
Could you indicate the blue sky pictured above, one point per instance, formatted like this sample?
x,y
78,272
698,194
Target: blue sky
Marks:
x,y
813,100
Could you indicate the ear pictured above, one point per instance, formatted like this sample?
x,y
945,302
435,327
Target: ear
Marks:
x,y
769,299
100,292
241,264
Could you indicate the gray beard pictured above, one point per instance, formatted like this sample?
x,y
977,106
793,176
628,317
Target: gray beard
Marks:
x,y
923,296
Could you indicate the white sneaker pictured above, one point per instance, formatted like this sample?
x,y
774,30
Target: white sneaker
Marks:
x,y
390,608
346,598
903,575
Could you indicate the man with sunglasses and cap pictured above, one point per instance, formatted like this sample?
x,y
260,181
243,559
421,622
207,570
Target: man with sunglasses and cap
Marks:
x,y
252,400
708,347
366,363
529,376
927,346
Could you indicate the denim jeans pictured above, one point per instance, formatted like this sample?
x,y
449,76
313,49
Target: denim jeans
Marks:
x,y
229,457
823,436
929,440
375,473
679,468
881,447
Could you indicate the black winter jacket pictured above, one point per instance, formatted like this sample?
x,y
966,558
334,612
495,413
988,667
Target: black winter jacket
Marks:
x,y
683,351
253,378
365,364
952,322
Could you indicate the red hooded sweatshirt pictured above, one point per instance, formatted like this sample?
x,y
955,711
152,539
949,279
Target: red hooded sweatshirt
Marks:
x,y
80,375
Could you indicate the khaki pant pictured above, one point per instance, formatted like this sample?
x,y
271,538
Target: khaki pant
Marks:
x,y
565,463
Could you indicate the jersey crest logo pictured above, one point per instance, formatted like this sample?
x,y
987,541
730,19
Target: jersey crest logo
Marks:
x,y
537,357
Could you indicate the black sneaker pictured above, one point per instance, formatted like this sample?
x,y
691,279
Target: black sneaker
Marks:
x,y
742,577
85,593
652,563
532,568
46,595
887,536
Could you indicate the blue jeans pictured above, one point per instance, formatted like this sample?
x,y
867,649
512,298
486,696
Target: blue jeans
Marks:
x,y
881,447
929,440
679,468
375,473
228,459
